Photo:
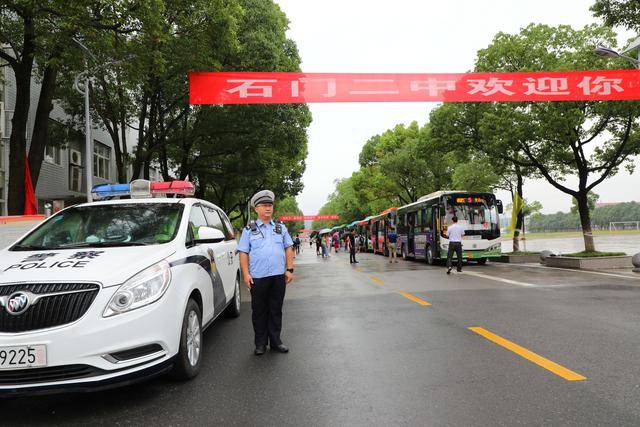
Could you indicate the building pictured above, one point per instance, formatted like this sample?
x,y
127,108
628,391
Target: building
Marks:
x,y
62,179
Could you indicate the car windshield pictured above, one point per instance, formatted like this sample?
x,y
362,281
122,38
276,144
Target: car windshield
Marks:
x,y
134,224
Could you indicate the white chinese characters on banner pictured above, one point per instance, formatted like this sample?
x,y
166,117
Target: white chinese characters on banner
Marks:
x,y
433,87
599,85
250,88
385,82
547,86
330,91
489,87
311,88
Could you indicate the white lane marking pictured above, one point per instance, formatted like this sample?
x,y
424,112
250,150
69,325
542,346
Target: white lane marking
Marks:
x,y
575,270
500,279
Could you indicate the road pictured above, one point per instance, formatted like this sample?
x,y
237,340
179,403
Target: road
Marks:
x,y
365,350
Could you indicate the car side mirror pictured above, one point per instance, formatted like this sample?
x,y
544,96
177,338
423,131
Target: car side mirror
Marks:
x,y
499,205
209,235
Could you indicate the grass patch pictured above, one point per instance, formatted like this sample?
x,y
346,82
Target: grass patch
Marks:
x,y
585,254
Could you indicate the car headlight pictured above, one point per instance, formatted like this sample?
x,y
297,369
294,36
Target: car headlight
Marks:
x,y
142,289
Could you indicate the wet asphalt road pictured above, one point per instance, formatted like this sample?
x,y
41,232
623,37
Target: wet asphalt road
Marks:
x,y
364,354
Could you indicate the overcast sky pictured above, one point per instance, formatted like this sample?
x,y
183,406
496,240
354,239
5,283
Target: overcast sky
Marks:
x,y
410,37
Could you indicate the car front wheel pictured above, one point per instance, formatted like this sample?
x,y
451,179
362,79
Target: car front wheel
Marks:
x,y
233,309
188,360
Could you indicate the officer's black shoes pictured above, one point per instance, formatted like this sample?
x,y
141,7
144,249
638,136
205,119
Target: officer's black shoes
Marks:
x,y
260,350
280,348
449,270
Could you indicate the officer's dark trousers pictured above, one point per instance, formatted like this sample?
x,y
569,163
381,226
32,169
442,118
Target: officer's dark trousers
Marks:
x,y
457,247
352,255
267,295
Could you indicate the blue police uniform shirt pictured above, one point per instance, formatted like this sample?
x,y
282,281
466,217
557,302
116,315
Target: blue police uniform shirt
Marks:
x,y
265,249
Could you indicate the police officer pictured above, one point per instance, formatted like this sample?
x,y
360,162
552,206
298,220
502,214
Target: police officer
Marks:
x,y
266,260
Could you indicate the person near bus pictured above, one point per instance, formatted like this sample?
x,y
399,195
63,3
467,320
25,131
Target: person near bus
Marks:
x,y
392,238
454,234
351,244
326,245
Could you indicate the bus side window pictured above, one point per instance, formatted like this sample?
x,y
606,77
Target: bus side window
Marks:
x,y
429,220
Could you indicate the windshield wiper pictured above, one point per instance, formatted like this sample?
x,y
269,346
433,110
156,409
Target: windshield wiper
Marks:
x,y
33,248
101,245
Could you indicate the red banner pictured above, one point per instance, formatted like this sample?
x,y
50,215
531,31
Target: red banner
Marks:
x,y
291,88
307,217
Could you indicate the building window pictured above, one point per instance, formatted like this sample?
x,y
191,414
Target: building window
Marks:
x,y
52,155
101,160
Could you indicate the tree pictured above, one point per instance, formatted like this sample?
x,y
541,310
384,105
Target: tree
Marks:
x,y
624,13
232,151
485,158
39,38
589,139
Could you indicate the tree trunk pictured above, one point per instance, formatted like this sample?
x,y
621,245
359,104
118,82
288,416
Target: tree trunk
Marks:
x,y
40,137
585,221
18,140
520,216
137,161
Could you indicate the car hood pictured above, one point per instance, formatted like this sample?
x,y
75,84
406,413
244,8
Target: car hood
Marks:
x,y
109,266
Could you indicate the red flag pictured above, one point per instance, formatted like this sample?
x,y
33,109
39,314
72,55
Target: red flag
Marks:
x,y
30,205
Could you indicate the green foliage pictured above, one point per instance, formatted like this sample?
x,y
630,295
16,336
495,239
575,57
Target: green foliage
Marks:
x,y
624,13
592,254
396,168
600,219
289,206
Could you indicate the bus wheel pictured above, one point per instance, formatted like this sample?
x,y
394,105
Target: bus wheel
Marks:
x,y
482,261
429,255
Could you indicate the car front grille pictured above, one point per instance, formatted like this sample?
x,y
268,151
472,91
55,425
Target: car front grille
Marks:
x,y
63,303
47,374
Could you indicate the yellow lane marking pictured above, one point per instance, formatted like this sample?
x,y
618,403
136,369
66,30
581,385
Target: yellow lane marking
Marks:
x,y
414,298
529,355
376,280
358,269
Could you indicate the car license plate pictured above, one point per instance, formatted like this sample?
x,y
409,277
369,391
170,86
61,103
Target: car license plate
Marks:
x,y
23,356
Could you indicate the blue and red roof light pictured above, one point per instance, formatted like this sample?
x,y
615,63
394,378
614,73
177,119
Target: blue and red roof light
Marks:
x,y
141,188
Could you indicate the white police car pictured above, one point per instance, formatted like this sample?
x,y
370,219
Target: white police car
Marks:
x,y
112,291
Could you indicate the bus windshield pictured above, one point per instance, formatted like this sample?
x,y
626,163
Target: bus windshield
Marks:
x,y
474,213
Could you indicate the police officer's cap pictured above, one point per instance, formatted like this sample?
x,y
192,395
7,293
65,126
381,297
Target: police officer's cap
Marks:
x,y
264,196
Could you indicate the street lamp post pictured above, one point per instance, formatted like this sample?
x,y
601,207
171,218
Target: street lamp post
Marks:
x,y
610,53
83,88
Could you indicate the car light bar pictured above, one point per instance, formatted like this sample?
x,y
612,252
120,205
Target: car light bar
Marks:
x,y
141,188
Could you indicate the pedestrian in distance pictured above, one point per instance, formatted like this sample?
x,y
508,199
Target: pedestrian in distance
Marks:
x,y
336,241
326,246
351,244
392,238
297,243
318,244
454,234
266,260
